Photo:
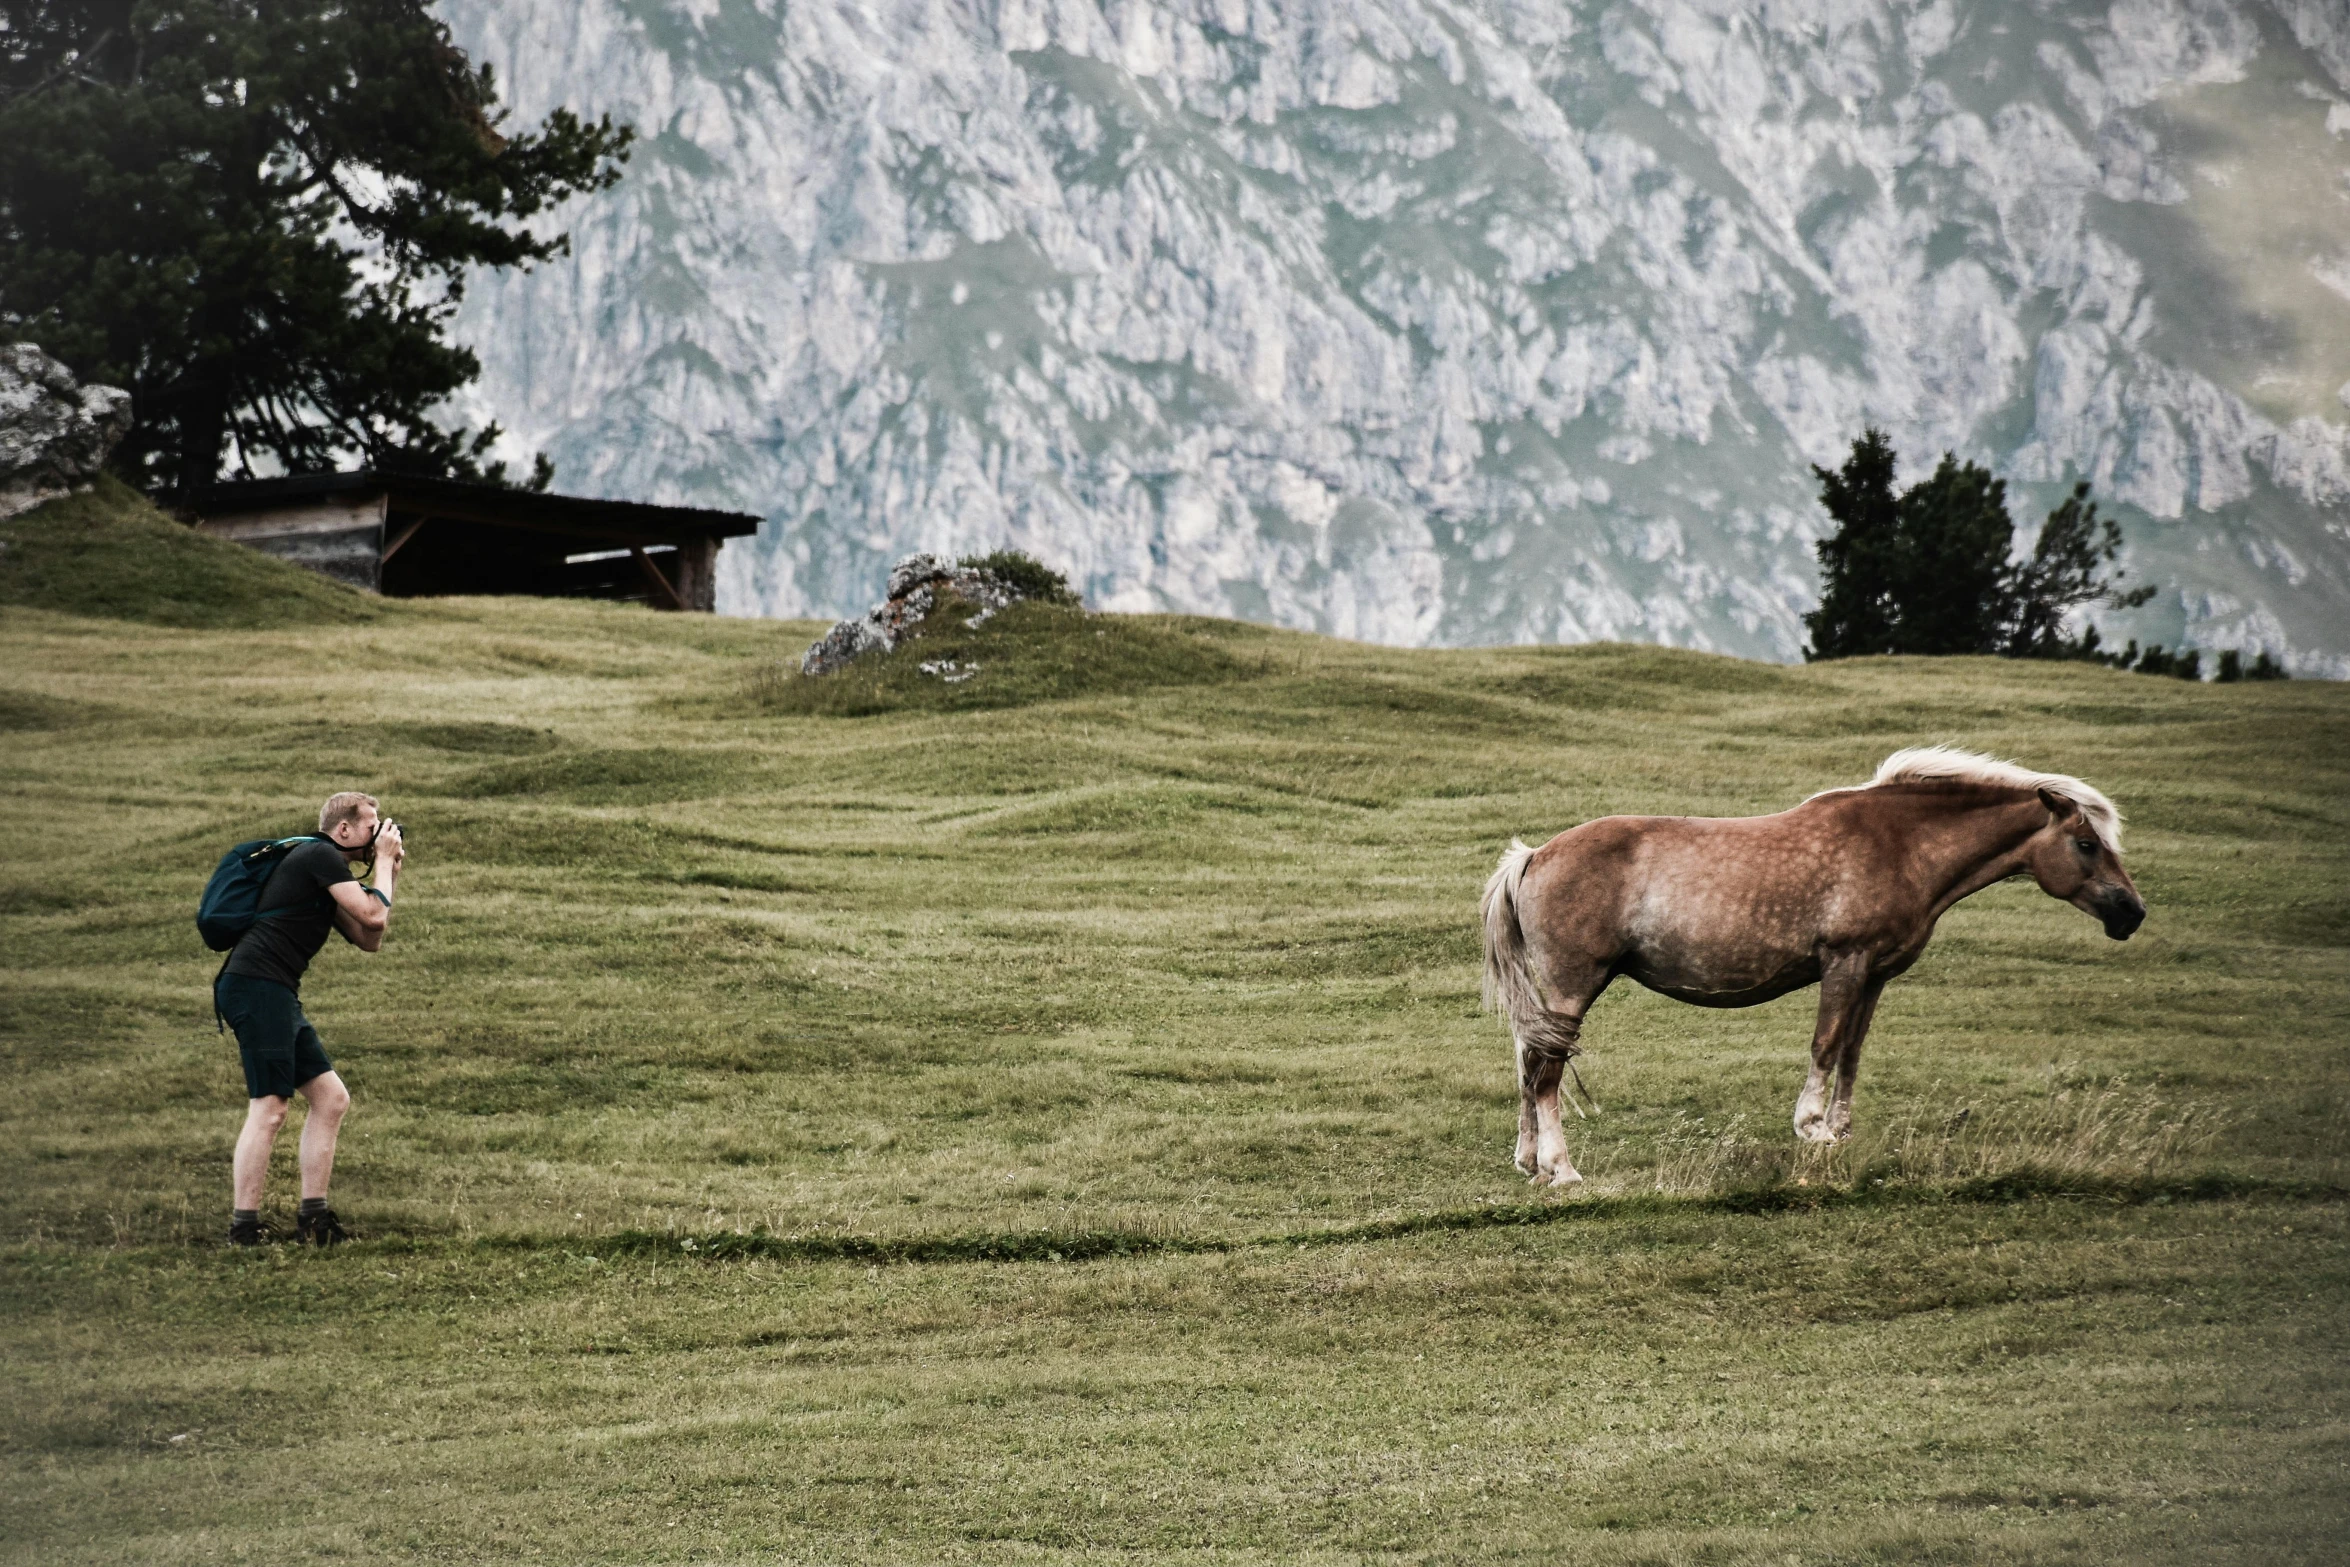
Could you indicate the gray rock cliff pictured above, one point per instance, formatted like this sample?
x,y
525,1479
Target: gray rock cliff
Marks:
x,y
1434,322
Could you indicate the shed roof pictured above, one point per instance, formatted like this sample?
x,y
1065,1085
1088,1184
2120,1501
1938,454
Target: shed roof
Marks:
x,y
464,500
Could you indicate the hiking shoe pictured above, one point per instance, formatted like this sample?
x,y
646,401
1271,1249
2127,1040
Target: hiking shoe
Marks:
x,y
319,1229
249,1232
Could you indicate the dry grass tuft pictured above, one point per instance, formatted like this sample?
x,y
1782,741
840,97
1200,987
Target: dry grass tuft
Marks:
x,y
2102,1132
2110,1131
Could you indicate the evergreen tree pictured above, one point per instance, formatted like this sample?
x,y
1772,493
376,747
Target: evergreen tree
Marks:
x,y
258,215
1927,570
2067,569
1952,575
1861,560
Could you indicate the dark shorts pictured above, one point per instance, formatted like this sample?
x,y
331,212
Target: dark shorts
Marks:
x,y
280,1048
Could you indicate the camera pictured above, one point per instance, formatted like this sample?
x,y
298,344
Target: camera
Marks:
x,y
366,851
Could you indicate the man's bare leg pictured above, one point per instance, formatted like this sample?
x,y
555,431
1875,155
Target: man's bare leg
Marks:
x,y
328,1099
250,1168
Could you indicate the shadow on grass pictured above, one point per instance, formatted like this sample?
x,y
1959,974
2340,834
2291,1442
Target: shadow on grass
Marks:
x,y
1051,1246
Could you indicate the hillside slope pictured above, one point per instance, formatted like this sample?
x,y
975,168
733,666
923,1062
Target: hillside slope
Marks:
x,y
1065,1129
1236,907
107,552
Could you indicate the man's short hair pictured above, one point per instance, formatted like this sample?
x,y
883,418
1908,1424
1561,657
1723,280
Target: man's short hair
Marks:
x,y
344,807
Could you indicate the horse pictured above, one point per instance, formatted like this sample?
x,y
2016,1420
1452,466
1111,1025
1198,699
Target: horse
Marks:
x,y
1842,891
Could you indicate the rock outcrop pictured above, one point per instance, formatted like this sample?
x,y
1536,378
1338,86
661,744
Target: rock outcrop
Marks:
x,y
55,434
914,586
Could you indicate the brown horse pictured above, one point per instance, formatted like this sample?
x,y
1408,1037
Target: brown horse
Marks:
x,y
1842,891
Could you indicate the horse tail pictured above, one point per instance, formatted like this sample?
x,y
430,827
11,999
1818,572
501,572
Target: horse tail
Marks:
x,y
1510,986
1509,982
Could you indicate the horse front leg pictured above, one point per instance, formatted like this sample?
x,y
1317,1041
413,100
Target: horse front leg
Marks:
x,y
1856,1033
1843,985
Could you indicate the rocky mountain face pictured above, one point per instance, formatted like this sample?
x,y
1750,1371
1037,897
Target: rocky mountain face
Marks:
x,y
1448,321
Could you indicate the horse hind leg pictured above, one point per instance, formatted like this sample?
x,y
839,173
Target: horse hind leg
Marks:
x,y
1548,1040
1528,1124
1546,1019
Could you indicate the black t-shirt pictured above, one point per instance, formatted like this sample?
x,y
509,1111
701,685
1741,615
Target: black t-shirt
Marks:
x,y
281,945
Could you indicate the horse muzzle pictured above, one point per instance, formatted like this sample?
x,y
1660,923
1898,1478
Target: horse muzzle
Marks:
x,y
2122,915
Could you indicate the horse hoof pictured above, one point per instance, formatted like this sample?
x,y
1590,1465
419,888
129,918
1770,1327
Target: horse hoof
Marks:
x,y
1564,1178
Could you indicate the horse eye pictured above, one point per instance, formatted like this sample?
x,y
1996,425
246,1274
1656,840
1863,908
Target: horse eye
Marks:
x,y
2085,845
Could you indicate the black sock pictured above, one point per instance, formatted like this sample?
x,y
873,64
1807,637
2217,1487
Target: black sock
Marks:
x,y
312,1207
244,1215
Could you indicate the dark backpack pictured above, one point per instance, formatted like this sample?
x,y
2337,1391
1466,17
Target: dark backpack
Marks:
x,y
232,898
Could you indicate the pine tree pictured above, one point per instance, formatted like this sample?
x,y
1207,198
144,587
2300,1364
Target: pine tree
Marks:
x,y
1928,570
1860,561
1951,583
2067,569
258,216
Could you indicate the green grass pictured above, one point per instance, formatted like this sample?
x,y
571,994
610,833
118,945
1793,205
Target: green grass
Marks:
x,y
1052,1119
106,552
1027,652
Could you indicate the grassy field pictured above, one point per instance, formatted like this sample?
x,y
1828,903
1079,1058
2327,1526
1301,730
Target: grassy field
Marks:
x,y
1048,1117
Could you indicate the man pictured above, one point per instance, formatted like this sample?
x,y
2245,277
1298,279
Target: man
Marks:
x,y
258,994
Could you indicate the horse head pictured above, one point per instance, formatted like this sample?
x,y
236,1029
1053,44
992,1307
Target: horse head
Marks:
x,y
2071,859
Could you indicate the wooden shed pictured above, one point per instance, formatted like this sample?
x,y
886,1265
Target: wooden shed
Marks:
x,y
408,537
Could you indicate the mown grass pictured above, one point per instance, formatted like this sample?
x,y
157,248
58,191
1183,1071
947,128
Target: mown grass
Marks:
x,y
2052,1382
1064,1128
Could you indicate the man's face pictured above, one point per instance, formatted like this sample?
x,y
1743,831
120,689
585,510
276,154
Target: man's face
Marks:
x,y
357,832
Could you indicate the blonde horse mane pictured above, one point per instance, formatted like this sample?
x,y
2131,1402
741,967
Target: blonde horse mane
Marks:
x,y
1926,764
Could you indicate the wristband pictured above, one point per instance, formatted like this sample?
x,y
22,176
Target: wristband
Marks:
x,y
383,898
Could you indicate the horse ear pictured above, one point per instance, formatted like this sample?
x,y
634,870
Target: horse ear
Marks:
x,y
2058,806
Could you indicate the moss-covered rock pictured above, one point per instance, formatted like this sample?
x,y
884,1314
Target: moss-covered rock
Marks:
x,y
963,656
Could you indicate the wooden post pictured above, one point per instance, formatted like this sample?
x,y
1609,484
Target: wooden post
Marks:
x,y
665,596
401,538
697,573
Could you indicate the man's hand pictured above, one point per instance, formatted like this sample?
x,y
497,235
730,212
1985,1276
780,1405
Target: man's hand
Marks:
x,y
390,847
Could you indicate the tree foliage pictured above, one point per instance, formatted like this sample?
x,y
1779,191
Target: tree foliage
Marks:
x,y
258,216
1927,570
1862,568
2068,569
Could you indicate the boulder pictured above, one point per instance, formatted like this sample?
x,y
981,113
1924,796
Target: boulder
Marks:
x,y
54,433
914,586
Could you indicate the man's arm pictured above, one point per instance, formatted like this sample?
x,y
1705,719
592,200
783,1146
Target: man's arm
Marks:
x,y
361,913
